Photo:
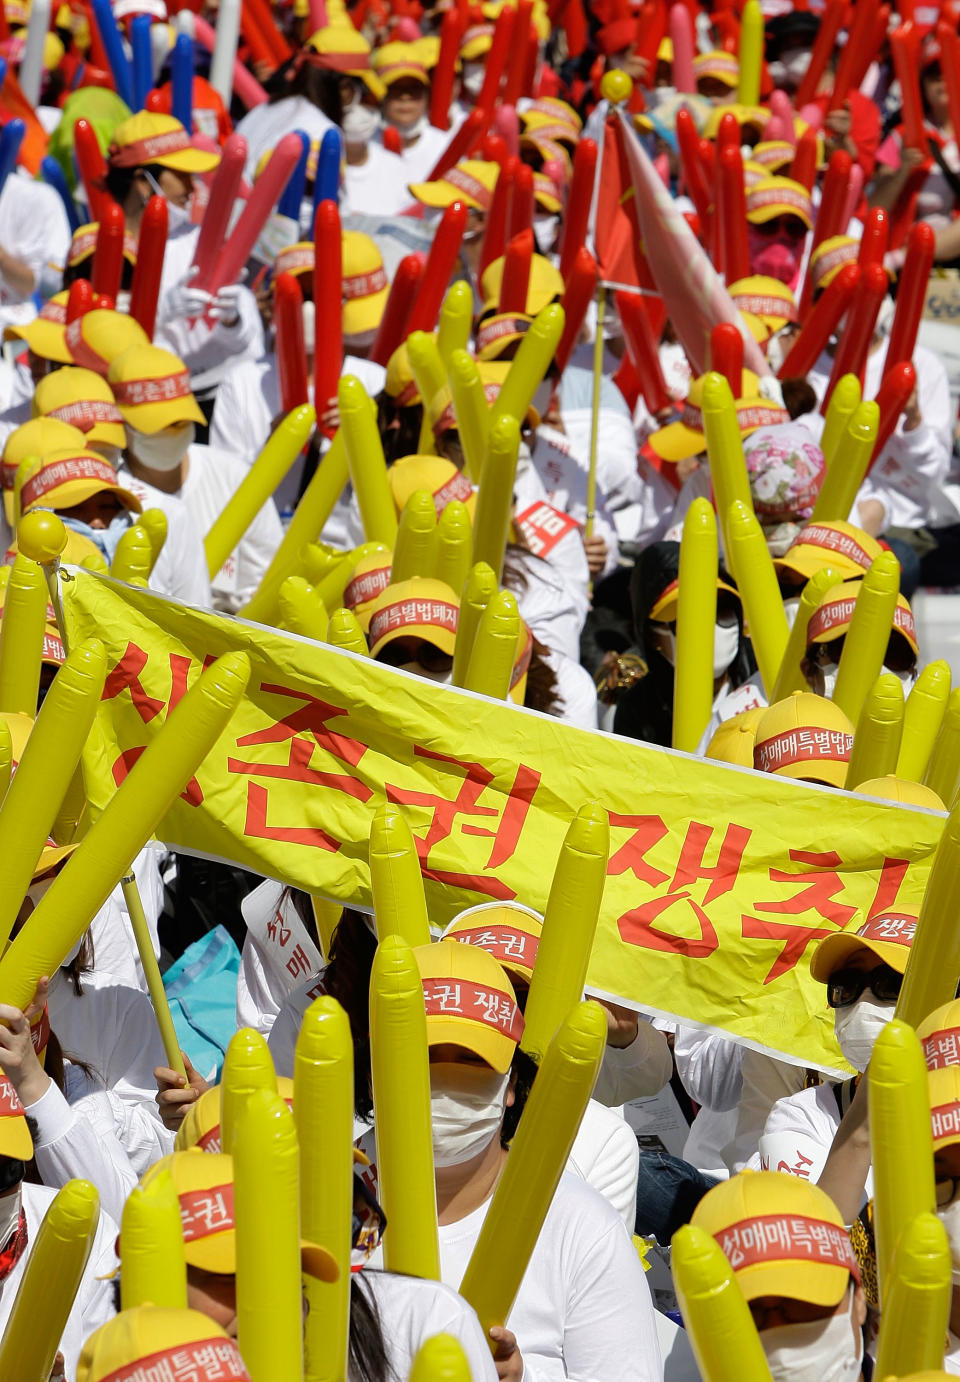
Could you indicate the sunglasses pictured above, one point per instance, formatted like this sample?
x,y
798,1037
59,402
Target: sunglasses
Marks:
x,y
782,225
846,986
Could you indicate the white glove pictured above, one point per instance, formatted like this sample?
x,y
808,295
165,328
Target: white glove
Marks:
x,y
187,301
226,304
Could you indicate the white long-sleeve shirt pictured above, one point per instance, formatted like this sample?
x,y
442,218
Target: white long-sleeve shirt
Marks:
x,y
34,228
181,568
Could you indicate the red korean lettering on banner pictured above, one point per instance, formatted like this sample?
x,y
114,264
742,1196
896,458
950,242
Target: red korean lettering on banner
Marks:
x,y
126,675
821,883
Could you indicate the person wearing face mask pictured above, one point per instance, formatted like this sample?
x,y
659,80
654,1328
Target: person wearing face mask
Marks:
x,y
405,107
31,439
584,1307
413,627
374,179
153,155
779,219
83,399
23,1207
161,462
827,631
795,1264
849,551
82,488
248,403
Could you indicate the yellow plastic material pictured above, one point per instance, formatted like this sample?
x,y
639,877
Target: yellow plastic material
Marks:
x,y
6,757
922,717
876,743
50,1283
327,916
790,678
317,561
530,365
344,632
97,563
266,1197
861,661
844,402
127,822
752,565
396,883
537,1158
494,651
428,371
415,553
933,965
696,617
401,1102
441,1359
332,585
301,609
900,1136
155,522
151,972
42,536
719,1325
323,1112
491,519
283,447
45,772
454,544
750,54
21,636
569,925
153,1269
247,1067
471,410
456,321
315,507
479,590
133,559
943,770
917,1304
724,445
851,458
368,469
616,87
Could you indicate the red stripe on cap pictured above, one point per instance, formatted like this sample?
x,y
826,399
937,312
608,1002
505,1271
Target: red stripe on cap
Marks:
x,y
87,412
10,1105
888,926
802,746
366,586
942,1049
288,261
51,477
364,285
142,151
487,1007
833,541
134,392
945,1120
457,487
80,349
205,1212
758,198
508,944
762,306
202,1360
407,613
467,183
787,1238
495,328
54,312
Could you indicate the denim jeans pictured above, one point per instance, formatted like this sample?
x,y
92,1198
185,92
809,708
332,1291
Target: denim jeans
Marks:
x,y
668,1191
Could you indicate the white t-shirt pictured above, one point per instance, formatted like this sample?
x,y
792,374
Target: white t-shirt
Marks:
x,y
799,1133
264,126
181,569
420,158
213,477
413,1311
377,187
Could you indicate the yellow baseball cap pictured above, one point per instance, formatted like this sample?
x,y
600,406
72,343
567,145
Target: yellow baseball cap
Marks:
x,y
84,243
545,194
888,935
781,1235
471,181
664,608
152,389
370,578
149,138
805,737
773,154
15,1139
400,383
538,126
342,48
46,334
295,259
508,931
943,1087
831,619
396,61
847,549
416,608
765,304
829,258
477,40
204,1186
170,1341
201,1125
498,330
733,740
545,285
686,437
470,1002
939,1035
96,339
774,197
365,285
439,477
555,109
84,400
723,67
900,790
38,437
62,479
744,115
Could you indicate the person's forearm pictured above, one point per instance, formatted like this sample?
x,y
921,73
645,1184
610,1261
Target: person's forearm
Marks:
x,y
887,188
17,273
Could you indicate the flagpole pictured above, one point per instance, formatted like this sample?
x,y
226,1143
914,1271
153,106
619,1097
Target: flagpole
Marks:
x,y
595,410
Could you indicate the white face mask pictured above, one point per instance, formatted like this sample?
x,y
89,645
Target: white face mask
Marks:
x,y
360,123
829,671
472,78
726,641
413,131
949,1216
545,233
857,1027
466,1110
821,1351
9,1216
443,678
163,450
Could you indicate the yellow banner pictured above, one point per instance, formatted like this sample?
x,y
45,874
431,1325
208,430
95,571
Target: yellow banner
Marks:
x,y
720,881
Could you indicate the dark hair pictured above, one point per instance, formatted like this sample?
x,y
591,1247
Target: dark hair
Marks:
x,y
119,181
524,1069
84,269
404,438
368,1360
82,963
319,85
798,396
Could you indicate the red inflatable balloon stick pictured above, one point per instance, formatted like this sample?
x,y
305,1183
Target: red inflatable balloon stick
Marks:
x,y
291,351
145,289
327,304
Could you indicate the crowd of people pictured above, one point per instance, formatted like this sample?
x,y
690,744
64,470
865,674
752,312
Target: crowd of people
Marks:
x,y
599,359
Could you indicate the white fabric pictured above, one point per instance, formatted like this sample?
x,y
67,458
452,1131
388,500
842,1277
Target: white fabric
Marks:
x,y
72,1142
213,477
286,1026
554,602
413,1311
564,468
114,947
264,126
34,228
377,187
799,1133
420,158
181,571
277,954
765,1080
605,1155
635,1071
577,691
93,1305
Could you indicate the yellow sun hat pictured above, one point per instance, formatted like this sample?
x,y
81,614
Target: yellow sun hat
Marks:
x,y
83,399
470,1002
471,181
152,389
149,138
416,608
63,479
46,334
805,737
38,437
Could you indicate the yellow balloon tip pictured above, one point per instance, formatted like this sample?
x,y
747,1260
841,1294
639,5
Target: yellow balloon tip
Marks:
x,y
41,536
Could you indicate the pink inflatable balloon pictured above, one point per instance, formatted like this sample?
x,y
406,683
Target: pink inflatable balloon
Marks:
x,y
854,193
681,34
813,115
780,125
507,125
